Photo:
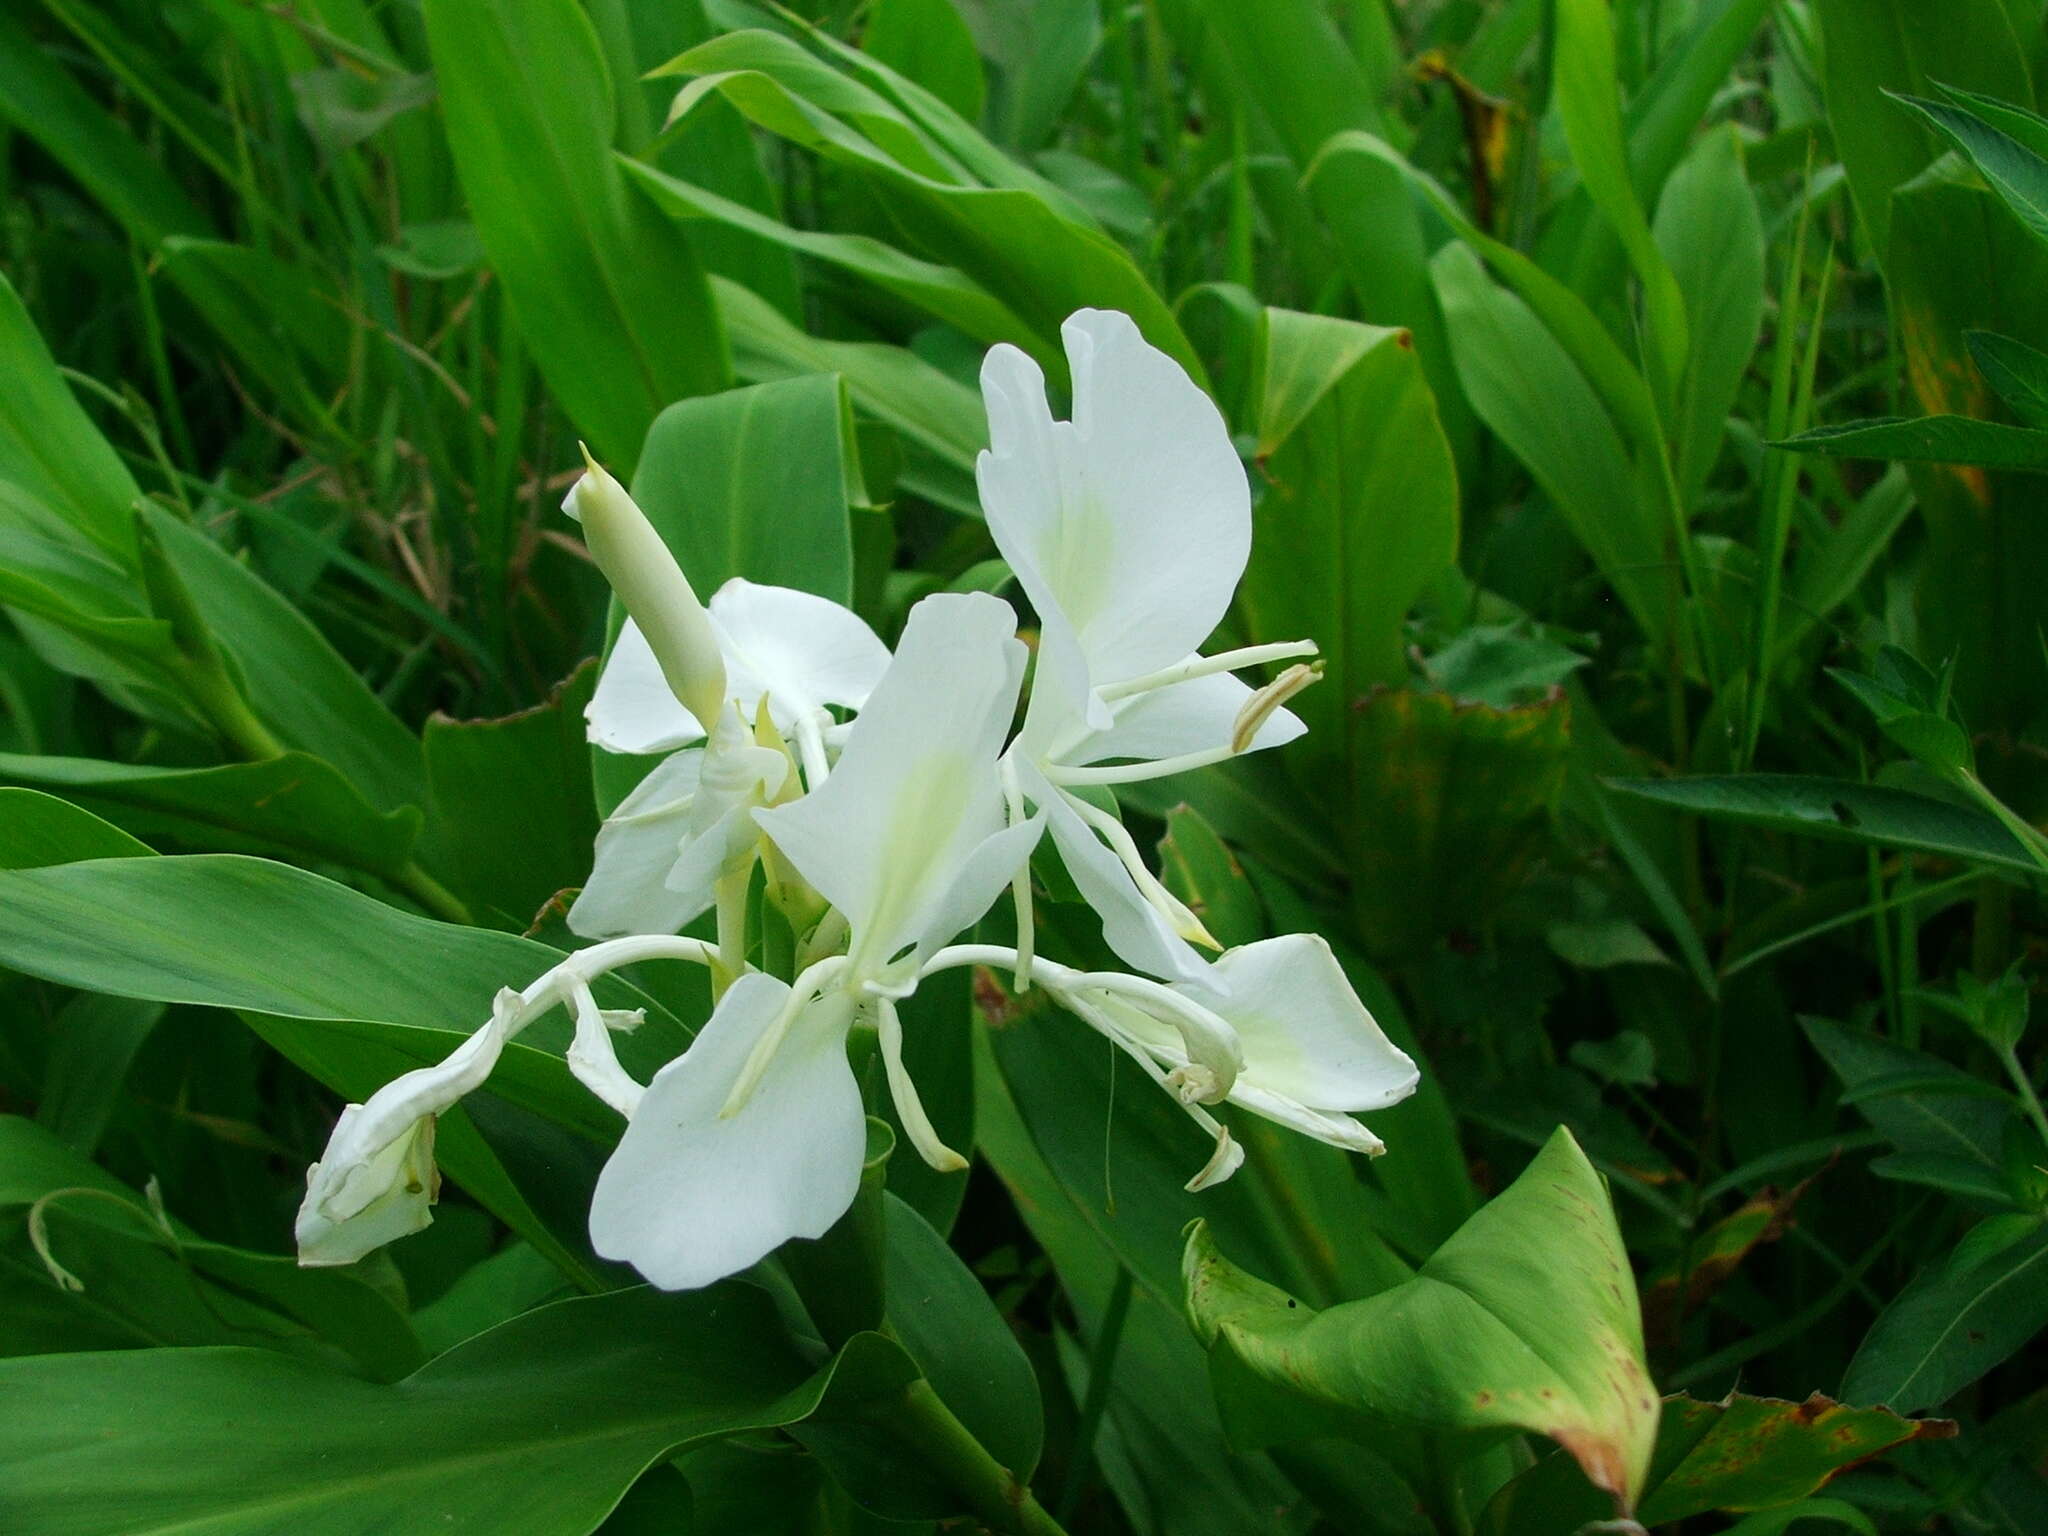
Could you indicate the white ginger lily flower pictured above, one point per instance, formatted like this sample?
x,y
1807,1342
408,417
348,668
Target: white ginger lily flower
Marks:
x,y
1128,527
1313,1053
755,1135
1308,1053
799,651
662,854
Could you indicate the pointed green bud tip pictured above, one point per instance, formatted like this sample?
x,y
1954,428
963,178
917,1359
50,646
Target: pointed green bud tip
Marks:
x,y
644,573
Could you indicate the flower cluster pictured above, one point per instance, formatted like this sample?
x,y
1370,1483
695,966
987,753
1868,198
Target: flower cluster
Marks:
x,y
887,802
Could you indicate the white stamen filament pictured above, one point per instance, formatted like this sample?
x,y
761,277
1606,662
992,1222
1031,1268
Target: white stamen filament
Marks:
x,y
1228,1157
1168,905
1136,773
1207,666
1020,882
1214,1054
806,987
909,1107
810,741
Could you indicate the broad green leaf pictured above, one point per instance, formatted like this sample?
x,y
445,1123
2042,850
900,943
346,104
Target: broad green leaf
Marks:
x,y
529,772
2017,371
95,1041
226,931
302,689
515,1279
1966,1313
943,292
1525,1320
1948,1128
928,41
949,1326
1959,262
1930,440
164,1284
1738,1454
1586,93
1021,240
1451,800
1359,510
1874,46
1330,91
1843,810
48,447
937,419
1708,229
1041,50
608,294
2015,172
294,806
1572,325
1525,386
759,483
38,829
539,1425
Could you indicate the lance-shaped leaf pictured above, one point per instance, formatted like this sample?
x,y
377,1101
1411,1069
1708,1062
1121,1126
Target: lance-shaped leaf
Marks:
x,y
1843,810
293,806
1526,1319
608,293
539,1425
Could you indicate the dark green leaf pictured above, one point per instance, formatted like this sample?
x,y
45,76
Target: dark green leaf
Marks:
x,y
1843,810
1963,1315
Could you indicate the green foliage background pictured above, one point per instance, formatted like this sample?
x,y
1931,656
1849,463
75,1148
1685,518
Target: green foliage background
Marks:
x,y
1667,784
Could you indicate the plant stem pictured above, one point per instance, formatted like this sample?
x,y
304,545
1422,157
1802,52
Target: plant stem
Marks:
x,y
209,687
987,1488
432,894
1101,1371
2030,1101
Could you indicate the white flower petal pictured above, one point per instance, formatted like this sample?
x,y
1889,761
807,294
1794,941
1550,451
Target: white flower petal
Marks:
x,y
376,1178
689,1197
1135,929
1192,716
1336,1130
637,847
802,650
1134,519
1306,1035
387,1195
633,709
914,796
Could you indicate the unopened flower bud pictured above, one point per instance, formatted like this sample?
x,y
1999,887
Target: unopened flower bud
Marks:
x,y
654,589
360,1198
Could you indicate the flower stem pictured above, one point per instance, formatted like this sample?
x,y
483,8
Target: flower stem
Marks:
x,y
432,894
2029,1100
988,1489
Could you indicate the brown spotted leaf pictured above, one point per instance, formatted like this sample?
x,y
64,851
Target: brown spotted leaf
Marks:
x,y
1526,1319
1740,1454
